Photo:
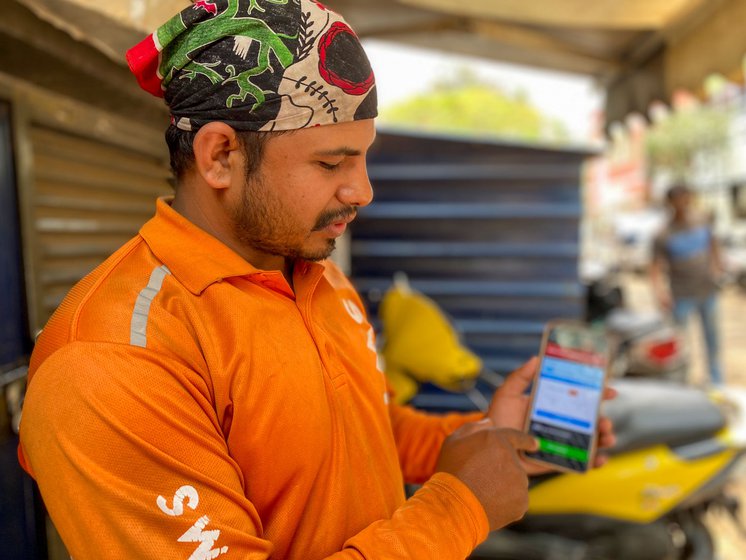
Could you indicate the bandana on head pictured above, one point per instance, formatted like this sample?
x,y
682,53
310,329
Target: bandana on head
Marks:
x,y
257,65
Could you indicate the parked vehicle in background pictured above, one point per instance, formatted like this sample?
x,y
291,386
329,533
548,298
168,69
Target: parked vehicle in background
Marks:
x,y
734,257
635,233
678,450
647,344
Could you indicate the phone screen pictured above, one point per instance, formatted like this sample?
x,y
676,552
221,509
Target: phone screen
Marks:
x,y
566,396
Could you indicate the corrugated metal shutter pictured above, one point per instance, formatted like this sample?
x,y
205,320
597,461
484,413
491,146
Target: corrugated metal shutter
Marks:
x,y
490,231
89,199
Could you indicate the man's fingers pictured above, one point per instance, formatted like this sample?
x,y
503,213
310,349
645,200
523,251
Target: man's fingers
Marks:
x,y
606,437
517,382
521,441
605,425
606,441
610,393
600,461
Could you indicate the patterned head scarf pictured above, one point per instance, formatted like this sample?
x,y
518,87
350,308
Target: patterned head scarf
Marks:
x,y
257,65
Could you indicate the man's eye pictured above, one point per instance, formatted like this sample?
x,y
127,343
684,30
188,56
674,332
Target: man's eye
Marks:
x,y
329,166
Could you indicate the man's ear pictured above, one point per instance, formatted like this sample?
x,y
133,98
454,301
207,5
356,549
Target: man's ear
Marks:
x,y
216,146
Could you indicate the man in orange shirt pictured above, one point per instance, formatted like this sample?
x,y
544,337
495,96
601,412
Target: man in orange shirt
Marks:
x,y
211,390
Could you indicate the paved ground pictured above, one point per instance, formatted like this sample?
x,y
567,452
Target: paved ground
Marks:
x,y
730,541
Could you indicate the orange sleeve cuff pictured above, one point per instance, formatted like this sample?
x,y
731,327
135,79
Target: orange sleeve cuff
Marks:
x,y
466,505
453,422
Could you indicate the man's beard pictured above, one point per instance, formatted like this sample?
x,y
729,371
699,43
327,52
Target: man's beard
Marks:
x,y
259,221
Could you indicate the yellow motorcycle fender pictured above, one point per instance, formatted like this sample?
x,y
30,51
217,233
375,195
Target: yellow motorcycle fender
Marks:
x,y
638,487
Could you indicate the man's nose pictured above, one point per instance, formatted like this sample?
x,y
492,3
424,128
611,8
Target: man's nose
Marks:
x,y
357,190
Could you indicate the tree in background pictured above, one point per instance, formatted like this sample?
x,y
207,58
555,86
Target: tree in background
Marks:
x,y
465,104
674,141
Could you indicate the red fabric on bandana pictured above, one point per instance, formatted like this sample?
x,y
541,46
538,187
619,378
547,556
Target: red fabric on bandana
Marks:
x,y
144,59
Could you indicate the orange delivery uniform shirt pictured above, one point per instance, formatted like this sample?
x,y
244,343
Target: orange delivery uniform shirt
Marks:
x,y
184,405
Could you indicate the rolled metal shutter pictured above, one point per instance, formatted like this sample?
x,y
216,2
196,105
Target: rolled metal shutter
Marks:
x,y
89,198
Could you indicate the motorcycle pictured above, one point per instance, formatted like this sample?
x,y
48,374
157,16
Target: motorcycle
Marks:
x,y
678,447
646,344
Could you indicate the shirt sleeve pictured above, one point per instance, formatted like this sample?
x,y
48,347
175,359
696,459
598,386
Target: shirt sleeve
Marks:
x,y
419,437
131,461
442,520
129,457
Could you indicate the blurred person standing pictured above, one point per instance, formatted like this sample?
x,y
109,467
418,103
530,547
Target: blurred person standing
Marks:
x,y
685,271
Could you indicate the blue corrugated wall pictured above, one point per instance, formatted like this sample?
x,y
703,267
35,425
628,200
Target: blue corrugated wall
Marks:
x,y
489,230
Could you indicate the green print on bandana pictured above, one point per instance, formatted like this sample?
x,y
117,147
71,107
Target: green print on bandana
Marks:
x,y
182,47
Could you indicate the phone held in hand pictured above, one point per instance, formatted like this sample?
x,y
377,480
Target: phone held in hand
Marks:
x,y
566,396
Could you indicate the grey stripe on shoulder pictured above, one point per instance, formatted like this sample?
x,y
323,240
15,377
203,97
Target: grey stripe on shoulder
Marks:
x,y
139,324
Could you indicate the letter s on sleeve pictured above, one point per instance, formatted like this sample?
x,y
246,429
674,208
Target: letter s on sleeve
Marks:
x,y
187,492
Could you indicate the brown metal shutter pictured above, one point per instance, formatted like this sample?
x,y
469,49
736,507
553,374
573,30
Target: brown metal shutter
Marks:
x,y
89,199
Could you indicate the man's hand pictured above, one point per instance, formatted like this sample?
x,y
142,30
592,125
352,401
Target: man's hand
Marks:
x,y
659,284
509,408
486,459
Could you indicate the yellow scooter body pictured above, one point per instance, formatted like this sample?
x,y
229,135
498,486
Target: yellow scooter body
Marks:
x,y
639,487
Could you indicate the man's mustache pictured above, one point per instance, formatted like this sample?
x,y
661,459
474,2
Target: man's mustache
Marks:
x,y
334,217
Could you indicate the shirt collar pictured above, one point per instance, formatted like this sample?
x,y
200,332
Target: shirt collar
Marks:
x,y
194,257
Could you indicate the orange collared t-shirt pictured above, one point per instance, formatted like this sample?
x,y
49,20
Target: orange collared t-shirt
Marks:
x,y
184,405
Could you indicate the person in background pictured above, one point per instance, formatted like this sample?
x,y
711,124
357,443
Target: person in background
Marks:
x,y
212,389
685,271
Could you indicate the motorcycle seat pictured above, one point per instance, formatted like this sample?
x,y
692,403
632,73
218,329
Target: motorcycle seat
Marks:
x,y
649,412
632,323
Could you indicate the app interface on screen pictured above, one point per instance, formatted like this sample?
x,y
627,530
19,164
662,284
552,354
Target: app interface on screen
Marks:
x,y
563,417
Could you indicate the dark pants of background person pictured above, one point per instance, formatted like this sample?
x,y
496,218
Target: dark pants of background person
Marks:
x,y
706,308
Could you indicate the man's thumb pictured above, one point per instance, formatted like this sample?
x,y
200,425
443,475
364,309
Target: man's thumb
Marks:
x,y
518,381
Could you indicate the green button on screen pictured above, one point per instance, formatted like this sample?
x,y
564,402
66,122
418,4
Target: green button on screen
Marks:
x,y
562,450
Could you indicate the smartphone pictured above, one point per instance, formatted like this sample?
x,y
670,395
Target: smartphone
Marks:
x,y
566,395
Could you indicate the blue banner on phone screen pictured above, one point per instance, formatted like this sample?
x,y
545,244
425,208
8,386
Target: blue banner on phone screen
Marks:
x,y
565,406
